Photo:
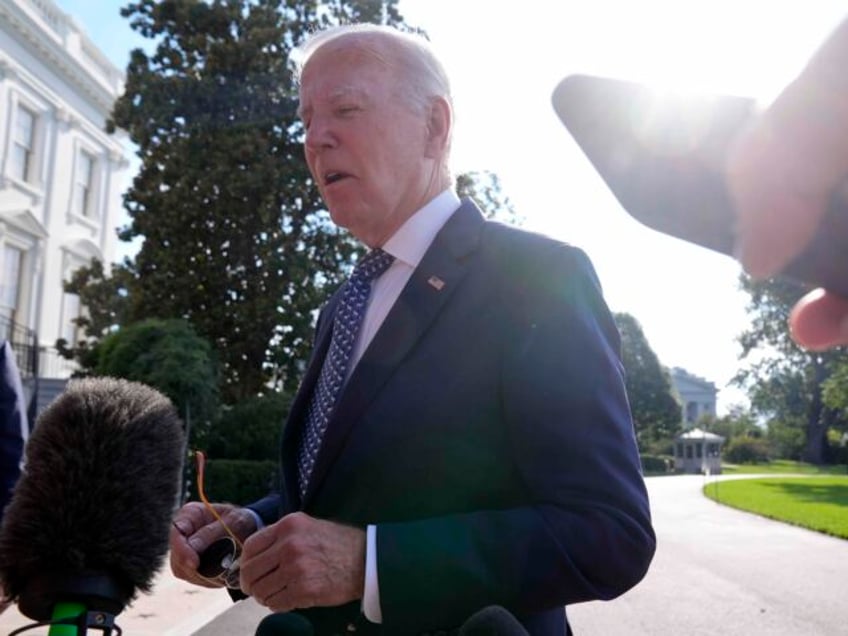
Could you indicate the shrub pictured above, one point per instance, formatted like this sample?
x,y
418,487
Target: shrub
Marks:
x,y
236,481
657,464
787,441
746,450
250,429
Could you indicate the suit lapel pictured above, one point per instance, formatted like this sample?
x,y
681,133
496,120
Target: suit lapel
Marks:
x,y
431,285
297,413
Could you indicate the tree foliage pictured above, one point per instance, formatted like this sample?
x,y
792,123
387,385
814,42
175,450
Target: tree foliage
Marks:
x,y
167,355
485,189
739,422
656,412
835,388
104,297
785,382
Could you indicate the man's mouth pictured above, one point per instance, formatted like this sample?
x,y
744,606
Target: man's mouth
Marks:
x,y
333,177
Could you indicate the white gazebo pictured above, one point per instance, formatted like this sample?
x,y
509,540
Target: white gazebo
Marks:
x,y
698,451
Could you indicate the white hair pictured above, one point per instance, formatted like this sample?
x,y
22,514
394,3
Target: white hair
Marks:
x,y
420,71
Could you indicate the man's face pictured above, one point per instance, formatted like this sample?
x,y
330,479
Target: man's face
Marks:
x,y
366,149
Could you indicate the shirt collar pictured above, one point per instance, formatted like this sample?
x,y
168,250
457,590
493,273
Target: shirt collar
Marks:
x,y
414,237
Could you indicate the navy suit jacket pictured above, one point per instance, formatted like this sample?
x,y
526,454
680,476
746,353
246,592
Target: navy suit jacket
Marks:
x,y
14,429
486,432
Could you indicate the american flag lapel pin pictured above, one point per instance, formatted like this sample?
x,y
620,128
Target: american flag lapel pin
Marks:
x,y
436,283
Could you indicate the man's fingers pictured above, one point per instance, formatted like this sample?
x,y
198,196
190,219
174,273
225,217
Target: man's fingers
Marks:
x,y
184,559
194,529
778,207
260,541
820,320
201,528
190,518
259,560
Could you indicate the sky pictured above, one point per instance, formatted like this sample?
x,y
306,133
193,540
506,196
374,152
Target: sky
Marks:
x,y
506,58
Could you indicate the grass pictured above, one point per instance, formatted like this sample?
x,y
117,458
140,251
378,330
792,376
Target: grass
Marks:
x,y
818,502
783,466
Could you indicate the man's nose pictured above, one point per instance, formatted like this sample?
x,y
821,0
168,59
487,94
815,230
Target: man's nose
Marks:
x,y
319,135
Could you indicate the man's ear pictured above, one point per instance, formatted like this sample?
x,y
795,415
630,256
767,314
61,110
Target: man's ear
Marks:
x,y
439,122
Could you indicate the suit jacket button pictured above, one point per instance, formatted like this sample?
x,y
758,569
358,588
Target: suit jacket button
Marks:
x,y
351,627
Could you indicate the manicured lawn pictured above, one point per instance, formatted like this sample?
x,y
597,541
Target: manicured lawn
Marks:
x,y
816,502
784,466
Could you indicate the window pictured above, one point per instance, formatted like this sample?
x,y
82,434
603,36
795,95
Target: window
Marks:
x,y
23,145
10,279
84,184
691,411
70,311
688,452
699,449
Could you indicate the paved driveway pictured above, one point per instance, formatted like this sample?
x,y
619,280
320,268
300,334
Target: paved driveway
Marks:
x,y
721,571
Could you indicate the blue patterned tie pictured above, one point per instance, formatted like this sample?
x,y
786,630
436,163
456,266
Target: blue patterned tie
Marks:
x,y
346,323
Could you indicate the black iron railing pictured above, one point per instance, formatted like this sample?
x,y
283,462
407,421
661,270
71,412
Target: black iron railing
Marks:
x,y
24,343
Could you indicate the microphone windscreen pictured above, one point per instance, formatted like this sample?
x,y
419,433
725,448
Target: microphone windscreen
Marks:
x,y
97,495
492,621
288,624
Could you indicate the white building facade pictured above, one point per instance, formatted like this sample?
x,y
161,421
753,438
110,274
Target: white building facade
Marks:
x,y
697,396
61,174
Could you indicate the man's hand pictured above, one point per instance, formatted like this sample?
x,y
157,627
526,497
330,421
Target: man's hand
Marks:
x,y
195,529
784,169
782,173
302,562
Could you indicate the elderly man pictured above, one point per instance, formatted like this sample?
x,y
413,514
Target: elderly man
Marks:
x,y
462,436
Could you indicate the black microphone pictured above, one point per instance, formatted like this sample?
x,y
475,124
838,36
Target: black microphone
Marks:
x,y
493,620
288,624
89,519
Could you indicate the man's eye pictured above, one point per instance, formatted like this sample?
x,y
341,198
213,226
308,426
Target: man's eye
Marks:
x,y
347,110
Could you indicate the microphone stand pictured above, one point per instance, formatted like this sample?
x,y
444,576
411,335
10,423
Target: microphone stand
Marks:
x,y
73,604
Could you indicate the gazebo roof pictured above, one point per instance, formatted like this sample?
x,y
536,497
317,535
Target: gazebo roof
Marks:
x,y
700,435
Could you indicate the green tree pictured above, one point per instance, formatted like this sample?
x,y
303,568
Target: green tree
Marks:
x,y
739,422
835,388
485,189
656,412
105,300
785,382
786,439
169,356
